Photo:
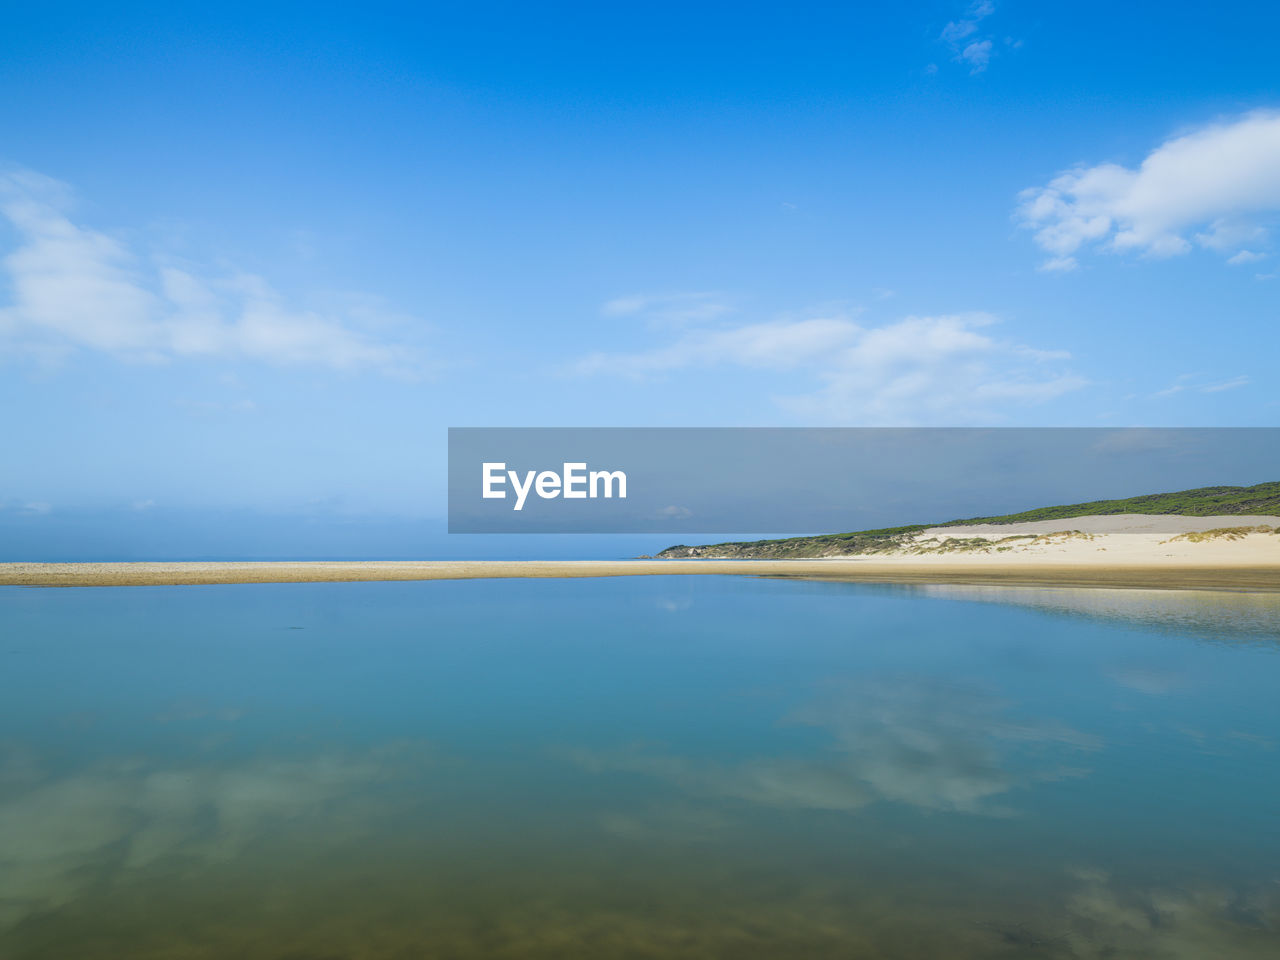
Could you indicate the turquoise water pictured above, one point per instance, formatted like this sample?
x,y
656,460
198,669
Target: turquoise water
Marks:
x,y
636,767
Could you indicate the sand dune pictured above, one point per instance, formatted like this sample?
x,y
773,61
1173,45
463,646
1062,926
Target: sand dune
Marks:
x,y
1125,539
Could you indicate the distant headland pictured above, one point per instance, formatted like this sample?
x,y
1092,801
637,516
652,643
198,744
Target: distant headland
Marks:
x,y
1205,513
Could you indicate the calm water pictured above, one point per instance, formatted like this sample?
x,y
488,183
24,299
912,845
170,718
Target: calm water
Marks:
x,y
683,767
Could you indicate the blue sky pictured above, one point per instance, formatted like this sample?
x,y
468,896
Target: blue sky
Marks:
x,y
259,260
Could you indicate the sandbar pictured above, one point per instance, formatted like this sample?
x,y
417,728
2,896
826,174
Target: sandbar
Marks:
x,y
1231,553
1175,575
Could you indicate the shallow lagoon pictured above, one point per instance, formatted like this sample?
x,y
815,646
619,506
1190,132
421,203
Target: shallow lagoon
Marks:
x,y
685,766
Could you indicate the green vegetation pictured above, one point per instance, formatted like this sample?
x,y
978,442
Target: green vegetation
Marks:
x,y
792,548
1221,533
1262,499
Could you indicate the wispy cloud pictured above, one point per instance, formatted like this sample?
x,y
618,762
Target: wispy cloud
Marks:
x,y
1245,256
1198,383
969,43
776,345
1217,187
1231,384
76,287
912,370
673,308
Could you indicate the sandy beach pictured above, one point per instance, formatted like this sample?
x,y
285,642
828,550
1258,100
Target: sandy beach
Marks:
x,y
1125,551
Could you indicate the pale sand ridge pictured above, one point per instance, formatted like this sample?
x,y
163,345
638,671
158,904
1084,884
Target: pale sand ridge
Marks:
x,y
1121,551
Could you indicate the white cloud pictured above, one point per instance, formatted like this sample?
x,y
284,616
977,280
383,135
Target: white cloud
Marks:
x,y
75,287
1059,265
775,345
958,30
1231,384
963,36
918,368
1245,256
1216,187
977,55
672,308
1196,382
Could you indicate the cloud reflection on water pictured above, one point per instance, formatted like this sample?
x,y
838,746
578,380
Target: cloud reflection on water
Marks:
x,y
930,745
60,835
1220,616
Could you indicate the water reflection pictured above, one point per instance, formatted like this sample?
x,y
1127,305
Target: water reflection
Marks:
x,y
636,769
931,745
1106,920
1211,615
63,835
